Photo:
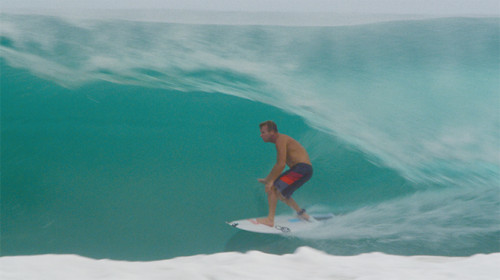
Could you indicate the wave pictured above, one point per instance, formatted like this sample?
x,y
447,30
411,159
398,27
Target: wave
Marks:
x,y
400,120
409,93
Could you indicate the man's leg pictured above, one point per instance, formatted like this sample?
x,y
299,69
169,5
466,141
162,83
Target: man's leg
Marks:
x,y
291,202
272,199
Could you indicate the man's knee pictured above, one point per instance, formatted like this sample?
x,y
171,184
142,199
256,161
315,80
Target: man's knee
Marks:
x,y
273,192
281,197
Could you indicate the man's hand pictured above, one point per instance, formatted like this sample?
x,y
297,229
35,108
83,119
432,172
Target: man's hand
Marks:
x,y
269,187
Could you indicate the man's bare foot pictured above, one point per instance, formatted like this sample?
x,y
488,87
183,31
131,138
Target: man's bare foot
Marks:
x,y
265,221
304,216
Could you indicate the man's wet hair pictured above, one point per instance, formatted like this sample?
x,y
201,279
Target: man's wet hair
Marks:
x,y
271,126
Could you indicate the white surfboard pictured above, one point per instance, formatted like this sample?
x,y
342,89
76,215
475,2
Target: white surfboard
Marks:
x,y
282,224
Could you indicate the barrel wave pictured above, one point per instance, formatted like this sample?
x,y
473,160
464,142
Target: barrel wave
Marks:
x,y
137,141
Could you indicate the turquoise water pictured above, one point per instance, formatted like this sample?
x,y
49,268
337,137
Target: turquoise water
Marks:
x,y
137,141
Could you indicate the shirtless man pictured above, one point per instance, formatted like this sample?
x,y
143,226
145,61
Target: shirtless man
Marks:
x,y
290,153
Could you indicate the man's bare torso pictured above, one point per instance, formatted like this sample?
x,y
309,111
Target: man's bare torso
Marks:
x,y
295,153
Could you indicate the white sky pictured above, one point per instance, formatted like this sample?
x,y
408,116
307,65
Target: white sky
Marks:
x,y
426,7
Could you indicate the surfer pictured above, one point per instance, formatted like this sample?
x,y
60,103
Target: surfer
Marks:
x,y
291,153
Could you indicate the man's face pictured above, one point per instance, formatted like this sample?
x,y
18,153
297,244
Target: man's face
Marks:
x,y
265,134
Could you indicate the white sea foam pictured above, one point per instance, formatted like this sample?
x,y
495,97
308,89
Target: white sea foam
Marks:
x,y
420,216
305,263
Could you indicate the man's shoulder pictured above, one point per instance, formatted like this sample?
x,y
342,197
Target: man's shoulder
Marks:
x,y
288,138
283,138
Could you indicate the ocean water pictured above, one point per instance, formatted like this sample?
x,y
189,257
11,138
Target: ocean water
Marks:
x,y
136,141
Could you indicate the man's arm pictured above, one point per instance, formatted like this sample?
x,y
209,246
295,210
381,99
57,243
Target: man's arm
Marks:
x,y
280,162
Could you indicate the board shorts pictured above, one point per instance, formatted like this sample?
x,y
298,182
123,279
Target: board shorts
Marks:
x,y
293,178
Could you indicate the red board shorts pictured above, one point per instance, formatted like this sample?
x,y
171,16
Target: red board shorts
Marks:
x,y
293,178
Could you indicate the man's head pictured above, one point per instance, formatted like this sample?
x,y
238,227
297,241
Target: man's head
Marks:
x,y
268,131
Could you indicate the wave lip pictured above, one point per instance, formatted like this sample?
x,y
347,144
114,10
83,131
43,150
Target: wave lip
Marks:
x,y
255,18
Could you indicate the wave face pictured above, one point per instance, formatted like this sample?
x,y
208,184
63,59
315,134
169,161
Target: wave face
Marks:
x,y
135,140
